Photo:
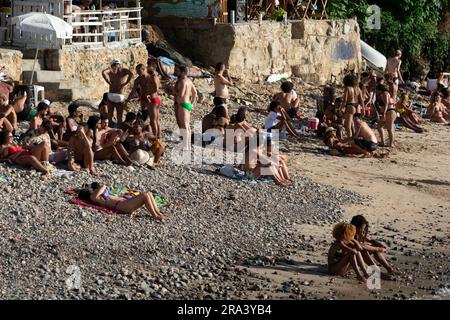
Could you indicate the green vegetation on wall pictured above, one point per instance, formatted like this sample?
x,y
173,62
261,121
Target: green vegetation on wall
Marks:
x,y
410,25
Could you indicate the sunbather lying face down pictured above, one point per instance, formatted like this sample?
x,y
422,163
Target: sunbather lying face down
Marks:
x,y
98,195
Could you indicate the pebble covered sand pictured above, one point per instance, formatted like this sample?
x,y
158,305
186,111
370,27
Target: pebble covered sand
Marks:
x,y
219,226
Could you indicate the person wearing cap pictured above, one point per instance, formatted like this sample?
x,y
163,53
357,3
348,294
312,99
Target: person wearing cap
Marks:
x,y
117,78
341,148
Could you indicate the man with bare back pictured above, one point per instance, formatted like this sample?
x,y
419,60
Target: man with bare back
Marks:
x,y
149,84
288,99
393,68
364,137
185,97
117,78
222,80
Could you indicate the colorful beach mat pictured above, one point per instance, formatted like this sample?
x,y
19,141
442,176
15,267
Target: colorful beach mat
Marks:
x,y
5,181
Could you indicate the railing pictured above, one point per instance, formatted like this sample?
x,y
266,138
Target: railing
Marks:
x,y
53,7
103,27
89,27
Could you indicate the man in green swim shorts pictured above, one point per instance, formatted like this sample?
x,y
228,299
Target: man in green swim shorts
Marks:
x,y
185,98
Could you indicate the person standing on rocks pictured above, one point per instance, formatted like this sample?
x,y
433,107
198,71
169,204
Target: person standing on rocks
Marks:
x,y
117,77
185,97
149,84
222,80
393,68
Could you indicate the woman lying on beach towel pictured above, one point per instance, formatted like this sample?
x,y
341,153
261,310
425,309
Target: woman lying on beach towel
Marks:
x,y
23,156
372,249
98,194
345,252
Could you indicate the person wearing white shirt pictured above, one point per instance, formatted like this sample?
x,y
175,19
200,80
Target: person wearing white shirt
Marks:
x,y
278,119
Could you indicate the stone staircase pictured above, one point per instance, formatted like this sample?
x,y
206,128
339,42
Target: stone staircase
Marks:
x,y
57,87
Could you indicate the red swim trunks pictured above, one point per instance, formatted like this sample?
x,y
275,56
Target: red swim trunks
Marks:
x,y
147,100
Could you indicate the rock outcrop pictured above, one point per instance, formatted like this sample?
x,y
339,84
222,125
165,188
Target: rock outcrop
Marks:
x,y
12,60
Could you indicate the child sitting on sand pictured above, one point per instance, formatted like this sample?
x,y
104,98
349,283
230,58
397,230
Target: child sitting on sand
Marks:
x,y
372,247
346,252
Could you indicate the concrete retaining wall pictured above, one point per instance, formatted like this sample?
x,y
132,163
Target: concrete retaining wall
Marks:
x,y
311,49
84,66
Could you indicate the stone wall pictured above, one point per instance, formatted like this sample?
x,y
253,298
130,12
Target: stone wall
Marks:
x,y
12,60
313,50
84,66
182,9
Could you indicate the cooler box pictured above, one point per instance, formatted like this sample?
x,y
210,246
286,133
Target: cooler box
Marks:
x,y
312,124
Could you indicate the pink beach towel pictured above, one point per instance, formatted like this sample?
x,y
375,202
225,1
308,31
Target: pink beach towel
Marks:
x,y
81,203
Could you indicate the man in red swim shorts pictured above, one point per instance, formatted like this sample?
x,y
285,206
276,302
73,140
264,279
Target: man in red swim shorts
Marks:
x,y
149,84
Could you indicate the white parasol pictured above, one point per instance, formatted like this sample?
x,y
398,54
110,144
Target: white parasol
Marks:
x,y
43,24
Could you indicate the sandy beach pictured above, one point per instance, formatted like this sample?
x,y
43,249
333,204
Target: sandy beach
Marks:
x,y
408,201
230,239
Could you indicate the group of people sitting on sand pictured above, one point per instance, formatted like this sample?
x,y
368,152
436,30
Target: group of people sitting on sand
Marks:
x,y
342,124
77,141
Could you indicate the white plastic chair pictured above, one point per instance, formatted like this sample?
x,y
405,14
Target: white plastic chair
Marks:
x,y
37,90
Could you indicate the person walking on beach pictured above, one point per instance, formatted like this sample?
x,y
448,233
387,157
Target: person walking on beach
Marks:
x,y
117,78
185,97
149,85
393,68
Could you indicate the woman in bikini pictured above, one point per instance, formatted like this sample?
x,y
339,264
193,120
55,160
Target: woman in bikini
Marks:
x,y
42,110
388,114
438,112
73,121
113,150
257,165
23,156
99,195
352,102
138,139
408,117
345,252
372,249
